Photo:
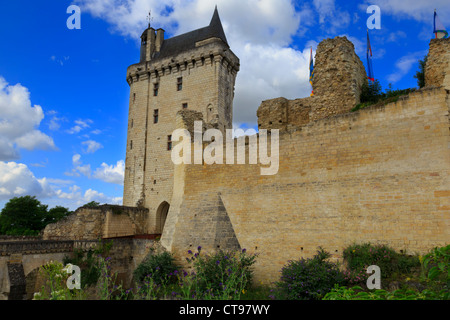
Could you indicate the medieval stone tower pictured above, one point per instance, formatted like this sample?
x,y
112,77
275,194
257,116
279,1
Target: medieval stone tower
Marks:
x,y
193,71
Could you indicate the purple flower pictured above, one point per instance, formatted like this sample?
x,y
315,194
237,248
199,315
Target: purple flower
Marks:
x,y
190,252
199,248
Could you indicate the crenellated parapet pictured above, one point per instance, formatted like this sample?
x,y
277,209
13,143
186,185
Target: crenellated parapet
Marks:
x,y
205,56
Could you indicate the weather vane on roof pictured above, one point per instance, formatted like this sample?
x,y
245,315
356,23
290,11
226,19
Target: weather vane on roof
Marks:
x,y
149,18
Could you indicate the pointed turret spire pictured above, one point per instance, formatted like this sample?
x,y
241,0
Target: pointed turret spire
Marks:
x,y
216,27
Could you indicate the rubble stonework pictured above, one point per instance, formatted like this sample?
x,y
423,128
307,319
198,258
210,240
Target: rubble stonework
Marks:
x,y
100,222
338,77
437,68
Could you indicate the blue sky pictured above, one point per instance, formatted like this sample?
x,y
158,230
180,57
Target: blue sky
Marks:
x,y
64,98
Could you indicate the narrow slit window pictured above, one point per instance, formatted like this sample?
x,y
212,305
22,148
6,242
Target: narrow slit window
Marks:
x,y
169,143
155,89
155,116
180,84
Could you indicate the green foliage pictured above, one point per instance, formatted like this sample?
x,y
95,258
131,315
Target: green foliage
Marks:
x,y
372,94
222,275
358,293
92,204
157,267
28,216
89,262
308,279
371,91
57,213
55,276
420,74
360,256
23,216
436,266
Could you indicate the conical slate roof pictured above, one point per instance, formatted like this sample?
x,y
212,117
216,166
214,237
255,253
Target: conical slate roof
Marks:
x,y
185,42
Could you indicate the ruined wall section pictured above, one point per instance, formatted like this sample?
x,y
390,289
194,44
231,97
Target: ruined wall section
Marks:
x,y
338,77
437,69
98,223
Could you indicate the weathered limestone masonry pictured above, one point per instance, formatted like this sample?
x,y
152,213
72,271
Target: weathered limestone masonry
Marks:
x,y
96,223
338,77
378,175
194,71
437,70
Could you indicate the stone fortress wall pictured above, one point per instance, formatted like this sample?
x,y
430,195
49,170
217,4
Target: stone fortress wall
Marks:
x,y
379,175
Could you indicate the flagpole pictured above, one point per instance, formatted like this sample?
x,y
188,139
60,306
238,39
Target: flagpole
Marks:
x,y
435,34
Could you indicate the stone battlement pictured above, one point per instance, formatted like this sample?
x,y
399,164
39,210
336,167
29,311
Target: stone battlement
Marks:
x,y
338,77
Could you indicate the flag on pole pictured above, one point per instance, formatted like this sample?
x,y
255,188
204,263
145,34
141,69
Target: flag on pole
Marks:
x,y
311,71
439,27
370,75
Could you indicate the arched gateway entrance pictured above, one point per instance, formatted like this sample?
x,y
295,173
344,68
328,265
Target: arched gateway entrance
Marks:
x,y
161,216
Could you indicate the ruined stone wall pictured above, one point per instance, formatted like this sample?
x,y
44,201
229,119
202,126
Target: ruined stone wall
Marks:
x,y
437,69
338,77
379,175
100,222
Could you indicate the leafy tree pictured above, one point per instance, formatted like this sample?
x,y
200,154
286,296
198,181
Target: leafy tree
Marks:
x,y
92,204
57,213
28,216
371,92
23,216
420,74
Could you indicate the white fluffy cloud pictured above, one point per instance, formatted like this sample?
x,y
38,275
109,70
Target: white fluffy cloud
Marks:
x,y
420,10
80,125
111,173
91,146
75,197
19,122
404,65
106,173
17,180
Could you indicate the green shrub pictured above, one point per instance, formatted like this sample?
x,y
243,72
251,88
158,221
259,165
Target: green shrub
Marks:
x,y
88,264
436,267
222,275
360,256
308,279
159,267
358,293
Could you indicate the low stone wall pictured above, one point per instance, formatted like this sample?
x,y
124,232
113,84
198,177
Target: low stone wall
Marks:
x,y
99,222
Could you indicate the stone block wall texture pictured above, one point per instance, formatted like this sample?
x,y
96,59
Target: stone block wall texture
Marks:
x,y
380,175
338,77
